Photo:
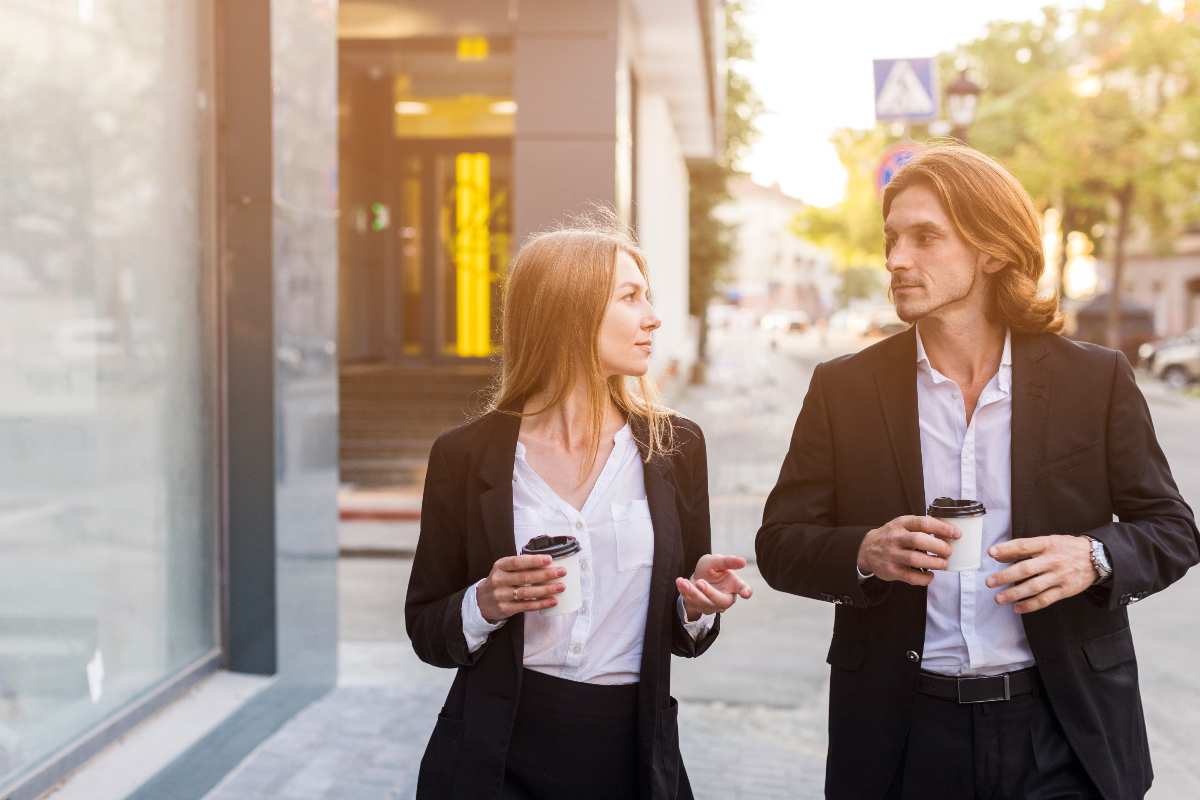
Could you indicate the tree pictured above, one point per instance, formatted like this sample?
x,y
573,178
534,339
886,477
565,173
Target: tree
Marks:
x,y
1101,122
710,239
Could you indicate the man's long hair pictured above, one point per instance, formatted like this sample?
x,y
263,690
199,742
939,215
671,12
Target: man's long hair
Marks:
x,y
993,214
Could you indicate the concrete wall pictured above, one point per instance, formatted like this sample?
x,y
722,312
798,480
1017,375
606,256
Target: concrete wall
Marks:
x,y
565,151
662,224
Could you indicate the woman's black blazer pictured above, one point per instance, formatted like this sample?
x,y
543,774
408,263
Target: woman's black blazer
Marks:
x,y
466,525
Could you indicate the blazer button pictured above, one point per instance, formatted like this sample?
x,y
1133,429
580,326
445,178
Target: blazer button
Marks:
x,y
912,656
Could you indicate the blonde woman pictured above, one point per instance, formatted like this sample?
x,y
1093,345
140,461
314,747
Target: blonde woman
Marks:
x,y
578,704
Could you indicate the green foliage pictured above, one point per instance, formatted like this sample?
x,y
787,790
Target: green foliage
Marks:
x,y
710,238
1095,111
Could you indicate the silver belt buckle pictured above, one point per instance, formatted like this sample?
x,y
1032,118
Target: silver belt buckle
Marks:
x,y
1007,691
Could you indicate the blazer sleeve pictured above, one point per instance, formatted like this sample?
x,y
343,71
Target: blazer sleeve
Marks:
x,y
1155,540
439,579
800,547
697,538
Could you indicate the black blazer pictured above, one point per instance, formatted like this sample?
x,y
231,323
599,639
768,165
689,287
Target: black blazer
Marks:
x,y
466,525
1083,450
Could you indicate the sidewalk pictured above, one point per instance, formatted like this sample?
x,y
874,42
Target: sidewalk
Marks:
x,y
753,709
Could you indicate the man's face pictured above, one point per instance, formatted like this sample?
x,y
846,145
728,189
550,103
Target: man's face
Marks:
x,y
932,268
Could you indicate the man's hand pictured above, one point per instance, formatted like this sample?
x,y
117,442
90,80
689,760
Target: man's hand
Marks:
x,y
1046,570
714,587
903,549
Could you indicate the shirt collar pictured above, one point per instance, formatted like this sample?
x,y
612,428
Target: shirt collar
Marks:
x,y
1005,373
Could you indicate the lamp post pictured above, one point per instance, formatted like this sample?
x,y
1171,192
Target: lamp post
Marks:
x,y
962,100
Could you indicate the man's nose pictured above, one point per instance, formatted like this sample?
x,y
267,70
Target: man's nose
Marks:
x,y
897,258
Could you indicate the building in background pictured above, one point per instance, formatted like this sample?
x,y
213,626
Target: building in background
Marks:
x,y
773,269
181,289
466,126
1168,285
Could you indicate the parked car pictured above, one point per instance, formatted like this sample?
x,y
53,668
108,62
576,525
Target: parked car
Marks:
x,y
785,320
1177,364
1148,351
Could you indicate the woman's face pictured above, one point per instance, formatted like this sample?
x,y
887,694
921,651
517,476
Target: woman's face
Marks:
x,y
627,330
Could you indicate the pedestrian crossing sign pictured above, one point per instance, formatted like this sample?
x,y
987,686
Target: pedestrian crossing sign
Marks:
x,y
905,90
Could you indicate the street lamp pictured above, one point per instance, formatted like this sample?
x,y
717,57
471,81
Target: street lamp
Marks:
x,y
962,99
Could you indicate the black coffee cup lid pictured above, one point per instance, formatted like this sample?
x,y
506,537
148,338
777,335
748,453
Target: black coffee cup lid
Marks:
x,y
946,507
553,546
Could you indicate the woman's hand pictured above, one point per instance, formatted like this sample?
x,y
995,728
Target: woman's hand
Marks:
x,y
517,584
714,586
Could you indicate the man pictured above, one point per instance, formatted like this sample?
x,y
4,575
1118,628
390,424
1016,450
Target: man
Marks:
x,y
1016,680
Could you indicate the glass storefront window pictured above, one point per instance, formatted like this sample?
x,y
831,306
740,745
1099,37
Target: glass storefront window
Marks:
x,y
107,582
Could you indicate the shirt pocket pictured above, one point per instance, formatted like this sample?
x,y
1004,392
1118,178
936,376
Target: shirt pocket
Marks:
x,y
527,523
633,531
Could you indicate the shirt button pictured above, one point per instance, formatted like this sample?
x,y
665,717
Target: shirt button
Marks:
x,y
578,526
912,656
575,649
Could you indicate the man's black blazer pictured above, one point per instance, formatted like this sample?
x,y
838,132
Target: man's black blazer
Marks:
x,y
466,525
1083,451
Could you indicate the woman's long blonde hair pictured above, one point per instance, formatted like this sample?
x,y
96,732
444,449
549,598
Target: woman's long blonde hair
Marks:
x,y
555,297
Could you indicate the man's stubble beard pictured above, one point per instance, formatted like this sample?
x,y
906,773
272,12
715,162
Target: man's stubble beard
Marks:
x,y
920,315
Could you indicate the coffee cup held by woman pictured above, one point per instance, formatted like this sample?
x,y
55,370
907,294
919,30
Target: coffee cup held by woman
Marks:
x,y
574,444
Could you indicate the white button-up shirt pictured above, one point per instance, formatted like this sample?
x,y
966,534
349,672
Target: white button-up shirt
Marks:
x,y
966,633
602,641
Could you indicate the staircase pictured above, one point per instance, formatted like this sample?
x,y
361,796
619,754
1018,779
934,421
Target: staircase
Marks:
x,y
390,416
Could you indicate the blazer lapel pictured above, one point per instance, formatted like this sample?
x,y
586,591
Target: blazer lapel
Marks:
x,y
1031,384
668,547
896,380
495,471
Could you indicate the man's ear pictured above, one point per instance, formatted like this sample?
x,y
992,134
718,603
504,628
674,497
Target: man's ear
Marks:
x,y
990,264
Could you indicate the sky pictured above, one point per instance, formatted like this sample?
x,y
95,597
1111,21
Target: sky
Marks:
x,y
812,69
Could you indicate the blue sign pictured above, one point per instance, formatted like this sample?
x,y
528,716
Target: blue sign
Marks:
x,y
893,159
905,90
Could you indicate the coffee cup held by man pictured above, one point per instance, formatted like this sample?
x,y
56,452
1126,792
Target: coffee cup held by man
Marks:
x,y
1017,679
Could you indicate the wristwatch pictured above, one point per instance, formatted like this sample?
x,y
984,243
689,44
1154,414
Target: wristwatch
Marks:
x,y
1100,560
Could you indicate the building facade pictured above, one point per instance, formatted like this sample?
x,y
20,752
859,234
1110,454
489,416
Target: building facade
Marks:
x,y
219,214
465,127
772,268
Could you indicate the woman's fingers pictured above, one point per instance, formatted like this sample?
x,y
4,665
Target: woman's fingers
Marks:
x,y
692,595
528,577
510,608
719,599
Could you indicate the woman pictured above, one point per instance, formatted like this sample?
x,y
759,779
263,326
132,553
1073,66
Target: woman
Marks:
x,y
576,704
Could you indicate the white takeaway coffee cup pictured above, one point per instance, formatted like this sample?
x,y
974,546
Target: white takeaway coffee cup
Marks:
x,y
565,552
967,516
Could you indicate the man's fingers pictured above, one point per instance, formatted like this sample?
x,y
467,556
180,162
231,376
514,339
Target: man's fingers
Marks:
x,y
928,543
1025,589
1022,570
1016,549
913,576
1038,602
925,561
932,525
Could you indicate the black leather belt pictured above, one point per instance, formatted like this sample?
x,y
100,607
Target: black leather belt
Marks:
x,y
980,689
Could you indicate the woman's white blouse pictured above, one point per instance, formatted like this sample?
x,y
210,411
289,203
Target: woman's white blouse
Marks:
x,y
602,641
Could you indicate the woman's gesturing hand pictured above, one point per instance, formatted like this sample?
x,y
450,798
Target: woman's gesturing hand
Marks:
x,y
714,586
517,584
